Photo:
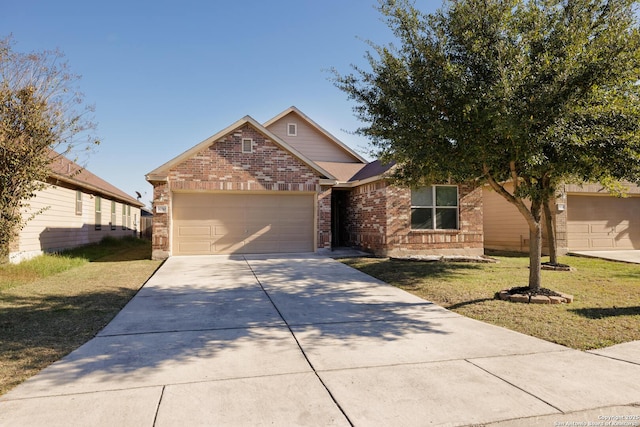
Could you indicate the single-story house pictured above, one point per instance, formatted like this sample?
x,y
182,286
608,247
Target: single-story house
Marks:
x,y
288,185
587,217
78,208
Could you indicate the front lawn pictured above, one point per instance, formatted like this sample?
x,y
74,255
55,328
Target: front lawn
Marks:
x,y
606,309
51,305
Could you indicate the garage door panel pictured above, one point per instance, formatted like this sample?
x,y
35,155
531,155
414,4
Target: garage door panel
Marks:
x,y
222,247
195,247
292,233
223,230
578,228
239,223
598,243
264,233
260,247
189,231
603,222
293,246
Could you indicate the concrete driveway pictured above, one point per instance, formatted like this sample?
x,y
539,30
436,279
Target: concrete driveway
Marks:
x,y
306,340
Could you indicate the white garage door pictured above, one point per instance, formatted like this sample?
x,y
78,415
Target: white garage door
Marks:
x,y
603,222
242,223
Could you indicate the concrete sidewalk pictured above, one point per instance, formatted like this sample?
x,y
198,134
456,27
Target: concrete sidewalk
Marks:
x,y
306,340
629,256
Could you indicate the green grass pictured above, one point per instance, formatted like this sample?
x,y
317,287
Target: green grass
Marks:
x,y
47,265
52,304
606,309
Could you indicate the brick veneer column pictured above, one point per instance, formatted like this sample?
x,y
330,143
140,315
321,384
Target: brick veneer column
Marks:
x,y
160,242
324,218
560,218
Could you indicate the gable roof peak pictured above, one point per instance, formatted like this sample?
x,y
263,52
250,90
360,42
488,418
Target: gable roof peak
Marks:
x,y
161,172
336,141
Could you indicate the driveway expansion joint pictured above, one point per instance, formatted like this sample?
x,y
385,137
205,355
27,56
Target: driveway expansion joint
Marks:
x,y
613,358
515,386
155,418
304,354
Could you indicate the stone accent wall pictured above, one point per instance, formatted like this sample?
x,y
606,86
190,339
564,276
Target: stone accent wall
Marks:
x,y
224,167
379,221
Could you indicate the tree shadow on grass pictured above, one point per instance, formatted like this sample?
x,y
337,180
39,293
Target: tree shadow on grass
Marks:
x,y
407,273
601,313
471,302
628,275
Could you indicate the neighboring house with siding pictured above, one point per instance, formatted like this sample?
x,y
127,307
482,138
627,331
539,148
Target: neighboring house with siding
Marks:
x,y
77,208
288,185
586,217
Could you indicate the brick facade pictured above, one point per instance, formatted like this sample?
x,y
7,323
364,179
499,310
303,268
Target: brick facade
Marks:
x,y
223,166
379,221
375,216
324,218
365,217
160,243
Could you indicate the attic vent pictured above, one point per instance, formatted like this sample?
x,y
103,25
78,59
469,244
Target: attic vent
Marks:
x,y
247,145
292,129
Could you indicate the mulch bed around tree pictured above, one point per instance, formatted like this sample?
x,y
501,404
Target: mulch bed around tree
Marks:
x,y
538,296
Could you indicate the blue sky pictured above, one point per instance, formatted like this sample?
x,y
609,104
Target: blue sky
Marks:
x,y
165,75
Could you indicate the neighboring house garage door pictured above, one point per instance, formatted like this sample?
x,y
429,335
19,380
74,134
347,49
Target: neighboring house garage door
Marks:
x,y
603,222
242,223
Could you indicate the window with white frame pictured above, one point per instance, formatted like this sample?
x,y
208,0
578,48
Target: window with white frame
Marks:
x,y
247,145
292,129
113,215
129,216
124,217
98,209
434,208
78,202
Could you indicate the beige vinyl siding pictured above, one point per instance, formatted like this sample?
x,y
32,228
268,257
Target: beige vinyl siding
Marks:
x,y
309,141
504,226
59,227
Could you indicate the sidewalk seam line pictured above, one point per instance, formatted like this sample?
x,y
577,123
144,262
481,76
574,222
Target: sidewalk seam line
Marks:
x,y
155,417
613,358
298,344
515,386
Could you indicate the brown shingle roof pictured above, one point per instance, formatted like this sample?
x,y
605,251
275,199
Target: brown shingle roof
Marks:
x,y
372,169
342,171
63,169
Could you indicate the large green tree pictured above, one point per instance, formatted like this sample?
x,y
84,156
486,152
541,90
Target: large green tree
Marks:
x,y
41,115
519,94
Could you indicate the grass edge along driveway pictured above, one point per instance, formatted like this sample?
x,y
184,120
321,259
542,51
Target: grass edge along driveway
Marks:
x,y
606,310
52,305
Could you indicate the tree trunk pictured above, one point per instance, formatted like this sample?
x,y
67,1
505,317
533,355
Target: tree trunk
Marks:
x,y
535,245
551,232
533,217
535,255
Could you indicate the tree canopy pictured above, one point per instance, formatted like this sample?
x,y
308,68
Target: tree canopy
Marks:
x,y
41,115
527,92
